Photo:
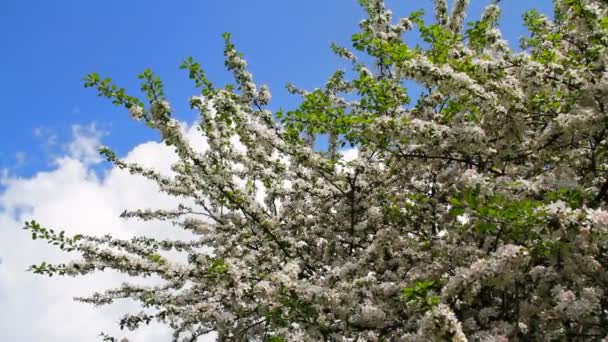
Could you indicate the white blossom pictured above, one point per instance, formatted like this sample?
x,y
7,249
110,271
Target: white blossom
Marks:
x,y
477,212
136,112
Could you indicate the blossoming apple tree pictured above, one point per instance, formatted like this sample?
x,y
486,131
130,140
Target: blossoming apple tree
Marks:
x,y
476,209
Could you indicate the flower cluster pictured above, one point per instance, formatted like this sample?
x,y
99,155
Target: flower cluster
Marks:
x,y
480,211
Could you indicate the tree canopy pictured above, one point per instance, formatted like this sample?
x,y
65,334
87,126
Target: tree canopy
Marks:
x,y
475,210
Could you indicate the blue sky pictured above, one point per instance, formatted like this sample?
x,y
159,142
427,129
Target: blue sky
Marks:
x,y
51,125
50,45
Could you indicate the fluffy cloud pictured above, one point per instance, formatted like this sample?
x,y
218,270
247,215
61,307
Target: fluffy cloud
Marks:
x,y
75,198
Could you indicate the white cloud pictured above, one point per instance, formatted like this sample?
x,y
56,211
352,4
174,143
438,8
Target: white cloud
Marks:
x,y
85,143
47,135
350,154
73,197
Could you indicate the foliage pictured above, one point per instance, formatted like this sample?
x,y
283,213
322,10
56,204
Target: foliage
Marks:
x,y
476,210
